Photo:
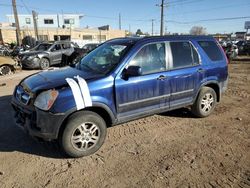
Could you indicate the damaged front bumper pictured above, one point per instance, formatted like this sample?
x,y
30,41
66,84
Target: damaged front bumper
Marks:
x,y
30,63
37,123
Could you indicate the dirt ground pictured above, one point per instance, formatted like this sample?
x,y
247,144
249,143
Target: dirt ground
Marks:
x,y
173,149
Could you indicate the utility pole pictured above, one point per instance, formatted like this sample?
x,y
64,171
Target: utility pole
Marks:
x,y
120,21
162,16
34,14
152,27
18,33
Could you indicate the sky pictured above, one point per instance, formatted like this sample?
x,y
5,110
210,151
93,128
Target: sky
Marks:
x,y
217,16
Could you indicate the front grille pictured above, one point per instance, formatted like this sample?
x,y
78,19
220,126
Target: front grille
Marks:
x,y
22,95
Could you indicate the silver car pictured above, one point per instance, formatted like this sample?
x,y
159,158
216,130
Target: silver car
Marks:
x,y
47,54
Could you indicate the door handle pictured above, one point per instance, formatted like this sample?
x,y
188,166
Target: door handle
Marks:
x,y
200,70
161,77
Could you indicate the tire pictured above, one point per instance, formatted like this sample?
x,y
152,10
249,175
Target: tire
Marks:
x,y
205,102
44,64
83,134
5,69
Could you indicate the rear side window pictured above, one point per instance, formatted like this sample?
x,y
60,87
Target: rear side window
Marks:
x,y
183,54
212,50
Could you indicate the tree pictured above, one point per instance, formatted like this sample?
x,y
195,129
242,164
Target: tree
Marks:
x,y
198,30
139,32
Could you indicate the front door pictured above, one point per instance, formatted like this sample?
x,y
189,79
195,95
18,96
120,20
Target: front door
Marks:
x,y
56,54
147,92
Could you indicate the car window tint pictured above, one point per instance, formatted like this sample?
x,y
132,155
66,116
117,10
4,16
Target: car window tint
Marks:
x,y
66,45
57,47
150,58
182,54
212,50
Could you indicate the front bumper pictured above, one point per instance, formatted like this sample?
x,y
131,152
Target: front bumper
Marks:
x,y
37,123
31,63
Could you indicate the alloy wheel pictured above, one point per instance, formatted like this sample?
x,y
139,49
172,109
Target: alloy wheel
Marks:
x,y
207,102
5,70
85,136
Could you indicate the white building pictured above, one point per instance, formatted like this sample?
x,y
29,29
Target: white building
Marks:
x,y
48,20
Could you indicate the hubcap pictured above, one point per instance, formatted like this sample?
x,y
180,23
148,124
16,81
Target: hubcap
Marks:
x,y
44,63
207,102
85,136
4,70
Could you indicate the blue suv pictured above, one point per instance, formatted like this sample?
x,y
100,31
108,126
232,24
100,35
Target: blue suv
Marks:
x,y
121,80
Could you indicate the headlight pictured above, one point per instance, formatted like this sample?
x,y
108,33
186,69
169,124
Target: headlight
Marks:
x,y
31,57
46,99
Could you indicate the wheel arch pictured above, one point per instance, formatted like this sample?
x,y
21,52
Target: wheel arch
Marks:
x,y
214,85
99,108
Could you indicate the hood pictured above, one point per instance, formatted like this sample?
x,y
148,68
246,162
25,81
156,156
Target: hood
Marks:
x,y
31,53
55,78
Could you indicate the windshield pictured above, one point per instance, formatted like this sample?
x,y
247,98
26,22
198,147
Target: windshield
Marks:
x,y
103,59
42,47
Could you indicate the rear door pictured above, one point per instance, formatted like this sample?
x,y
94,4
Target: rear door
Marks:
x,y
185,73
147,92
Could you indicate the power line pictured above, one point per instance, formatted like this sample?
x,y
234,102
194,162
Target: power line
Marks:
x,y
25,6
178,3
211,9
209,20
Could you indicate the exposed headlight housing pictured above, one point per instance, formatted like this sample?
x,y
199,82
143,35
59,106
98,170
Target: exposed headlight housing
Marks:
x,y
31,57
46,99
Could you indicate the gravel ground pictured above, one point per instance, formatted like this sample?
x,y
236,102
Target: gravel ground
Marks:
x,y
173,149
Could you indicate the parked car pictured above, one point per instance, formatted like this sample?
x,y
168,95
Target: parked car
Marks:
x,y
79,53
90,46
231,50
8,65
244,47
46,54
121,80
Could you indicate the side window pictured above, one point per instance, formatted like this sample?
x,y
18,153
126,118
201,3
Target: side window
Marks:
x,y
211,49
150,58
56,47
66,45
183,54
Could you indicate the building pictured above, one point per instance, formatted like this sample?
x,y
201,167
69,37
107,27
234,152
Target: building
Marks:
x,y
222,37
240,35
78,35
47,20
57,27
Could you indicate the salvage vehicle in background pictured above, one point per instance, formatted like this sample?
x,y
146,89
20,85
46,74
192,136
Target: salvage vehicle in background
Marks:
x,y
79,53
231,50
121,80
47,54
244,47
8,65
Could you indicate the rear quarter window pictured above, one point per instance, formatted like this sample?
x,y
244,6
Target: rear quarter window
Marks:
x,y
211,49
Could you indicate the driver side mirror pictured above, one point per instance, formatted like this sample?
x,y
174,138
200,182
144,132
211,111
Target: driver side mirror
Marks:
x,y
132,71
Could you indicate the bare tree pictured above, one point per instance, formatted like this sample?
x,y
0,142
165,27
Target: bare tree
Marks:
x,y
198,30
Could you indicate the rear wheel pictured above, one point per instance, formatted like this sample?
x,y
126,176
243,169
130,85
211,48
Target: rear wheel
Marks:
x,y
5,70
83,135
44,64
205,103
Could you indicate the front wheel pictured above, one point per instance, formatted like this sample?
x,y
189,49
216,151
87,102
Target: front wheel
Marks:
x,y
44,64
84,134
5,70
205,102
